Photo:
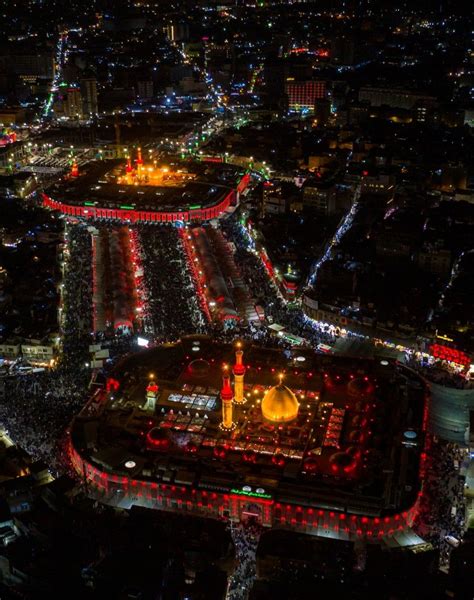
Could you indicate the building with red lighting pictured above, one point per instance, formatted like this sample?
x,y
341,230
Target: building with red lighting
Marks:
x,y
190,192
335,448
303,94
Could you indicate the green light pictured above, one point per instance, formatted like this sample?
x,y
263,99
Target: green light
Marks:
x,y
126,207
89,204
250,494
194,206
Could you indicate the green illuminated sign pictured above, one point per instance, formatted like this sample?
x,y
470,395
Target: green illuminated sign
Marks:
x,y
250,494
89,204
194,206
125,206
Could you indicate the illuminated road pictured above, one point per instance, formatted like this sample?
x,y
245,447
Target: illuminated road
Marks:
x,y
342,229
61,48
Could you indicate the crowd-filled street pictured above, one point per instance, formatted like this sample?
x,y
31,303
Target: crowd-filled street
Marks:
x,y
245,536
171,303
443,505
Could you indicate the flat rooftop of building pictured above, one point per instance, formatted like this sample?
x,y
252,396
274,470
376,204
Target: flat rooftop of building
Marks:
x,y
355,444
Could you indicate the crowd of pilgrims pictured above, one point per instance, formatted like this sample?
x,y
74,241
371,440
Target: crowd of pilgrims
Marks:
x,y
437,372
245,536
171,306
38,406
443,504
267,295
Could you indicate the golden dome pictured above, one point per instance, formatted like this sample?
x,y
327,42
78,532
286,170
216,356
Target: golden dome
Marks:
x,y
279,404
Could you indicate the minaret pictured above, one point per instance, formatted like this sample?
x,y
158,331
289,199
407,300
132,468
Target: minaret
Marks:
x,y
139,161
226,398
129,171
239,372
151,394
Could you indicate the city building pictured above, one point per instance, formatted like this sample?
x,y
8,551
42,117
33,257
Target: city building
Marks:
x,y
89,96
177,31
274,201
40,64
73,105
321,196
434,259
396,98
145,89
322,111
304,94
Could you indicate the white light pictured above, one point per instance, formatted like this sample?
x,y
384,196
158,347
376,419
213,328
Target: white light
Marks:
x,y
130,464
260,491
143,342
246,488
384,362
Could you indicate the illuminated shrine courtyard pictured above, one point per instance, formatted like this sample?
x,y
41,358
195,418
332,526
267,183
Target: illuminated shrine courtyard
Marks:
x,y
322,444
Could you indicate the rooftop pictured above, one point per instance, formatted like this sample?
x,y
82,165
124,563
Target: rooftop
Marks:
x,y
180,185
354,444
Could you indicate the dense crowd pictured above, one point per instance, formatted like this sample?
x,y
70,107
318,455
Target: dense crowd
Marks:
x,y
77,318
171,306
245,536
441,374
267,295
38,406
443,509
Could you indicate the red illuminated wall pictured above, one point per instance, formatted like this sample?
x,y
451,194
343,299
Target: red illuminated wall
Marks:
x,y
230,505
305,93
243,184
142,216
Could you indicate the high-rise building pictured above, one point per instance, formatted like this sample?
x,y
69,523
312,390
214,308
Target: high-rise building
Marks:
x,y
73,103
145,89
28,63
395,97
303,94
343,50
177,32
89,96
322,110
